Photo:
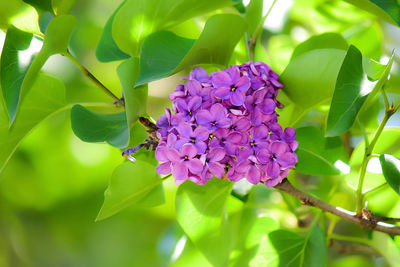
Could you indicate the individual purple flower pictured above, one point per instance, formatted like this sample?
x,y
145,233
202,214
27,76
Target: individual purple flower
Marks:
x,y
249,167
230,141
212,165
230,85
239,123
213,119
188,107
183,161
196,137
258,106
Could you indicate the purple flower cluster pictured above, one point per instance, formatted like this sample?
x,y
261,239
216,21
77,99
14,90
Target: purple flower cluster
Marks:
x,y
225,125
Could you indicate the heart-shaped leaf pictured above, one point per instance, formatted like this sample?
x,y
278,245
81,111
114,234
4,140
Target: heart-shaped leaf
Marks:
x,y
90,126
391,171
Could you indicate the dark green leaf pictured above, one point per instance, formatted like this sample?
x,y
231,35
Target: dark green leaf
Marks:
x,y
348,96
137,18
12,70
135,97
46,97
289,249
90,126
200,212
388,10
132,183
391,171
164,53
323,41
107,50
317,155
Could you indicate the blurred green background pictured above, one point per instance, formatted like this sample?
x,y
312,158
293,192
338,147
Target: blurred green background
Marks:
x,y
52,188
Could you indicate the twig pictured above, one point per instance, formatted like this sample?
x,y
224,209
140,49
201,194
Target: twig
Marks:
x,y
349,248
308,200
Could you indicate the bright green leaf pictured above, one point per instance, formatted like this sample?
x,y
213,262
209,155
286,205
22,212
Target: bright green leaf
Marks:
x,y
26,19
386,246
373,69
46,97
12,69
164,53
137,19
323,41
62,7
200,212
132,183
107,50
58,33
391,171
90,126
317,155
135,97
388,10
254,15
285,248
348,96
309,79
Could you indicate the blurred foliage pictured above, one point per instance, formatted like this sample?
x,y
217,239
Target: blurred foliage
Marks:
x,y
52,187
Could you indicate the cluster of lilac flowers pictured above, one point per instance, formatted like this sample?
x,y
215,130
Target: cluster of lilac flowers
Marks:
x,y
225,125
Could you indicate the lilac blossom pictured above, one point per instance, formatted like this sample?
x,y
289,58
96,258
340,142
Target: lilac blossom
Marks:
x,y
225,125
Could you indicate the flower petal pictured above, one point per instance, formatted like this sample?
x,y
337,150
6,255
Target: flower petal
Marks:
x,y
223,92
216,154
188,150
185,130
201,133
203,117
194,165
179,170
217,169
237,98
221,79
243,84
164,168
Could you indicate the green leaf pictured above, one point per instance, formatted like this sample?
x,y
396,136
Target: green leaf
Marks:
x,y
62,7
58,33
254,15
137,19
348,96
388,10
26,19
309,79
90,126
322,41
164,53
12,70
46,97
385,245
391,171
373,69
135,97
56,41
317,155
132,183
285,248
107,50
200,212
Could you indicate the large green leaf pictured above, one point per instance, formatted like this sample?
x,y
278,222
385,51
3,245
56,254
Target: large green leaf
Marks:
x,y
164,53
137,19
91,126
391,171
62,7
254,15
12,69
388,10
135,97
285,248
107,50
309,79
58,33
317,155
200,212
348,96
26,18
132,183
46,97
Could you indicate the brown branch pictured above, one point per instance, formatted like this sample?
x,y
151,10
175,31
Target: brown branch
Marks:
x,y
344,247
372,217
308,200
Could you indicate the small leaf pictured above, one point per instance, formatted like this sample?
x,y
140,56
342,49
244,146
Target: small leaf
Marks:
x,y
12,69
107,50
132,183
348,96
387,10
317,155
285,248
90,126
135,97
137,19
200,212
391,171
164,53
46,97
